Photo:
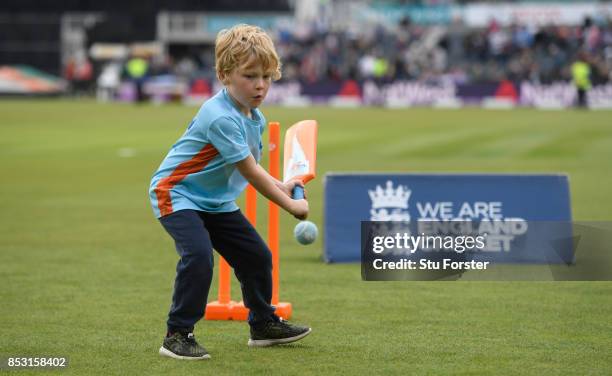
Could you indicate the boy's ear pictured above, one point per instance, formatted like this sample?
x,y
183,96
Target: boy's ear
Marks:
x,y
222,76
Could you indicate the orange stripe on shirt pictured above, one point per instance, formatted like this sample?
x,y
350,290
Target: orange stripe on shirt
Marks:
x,y
195,164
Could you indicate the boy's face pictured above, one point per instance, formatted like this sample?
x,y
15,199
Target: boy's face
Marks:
x,y
249,84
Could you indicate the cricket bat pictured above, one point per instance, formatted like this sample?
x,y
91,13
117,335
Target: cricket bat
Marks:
x,y
300,154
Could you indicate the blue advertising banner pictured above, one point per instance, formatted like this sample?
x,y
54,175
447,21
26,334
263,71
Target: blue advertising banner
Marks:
x,y
502,206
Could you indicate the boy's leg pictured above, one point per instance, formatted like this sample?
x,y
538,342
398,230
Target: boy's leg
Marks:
x,y
238,242
194,270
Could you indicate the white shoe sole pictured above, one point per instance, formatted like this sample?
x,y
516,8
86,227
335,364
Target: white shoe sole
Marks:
x,y
272,342
165,352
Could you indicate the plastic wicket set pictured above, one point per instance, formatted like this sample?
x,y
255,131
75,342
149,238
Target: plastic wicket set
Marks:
x,y
224,308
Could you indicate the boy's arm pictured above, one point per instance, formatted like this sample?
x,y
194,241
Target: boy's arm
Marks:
x,y
271,188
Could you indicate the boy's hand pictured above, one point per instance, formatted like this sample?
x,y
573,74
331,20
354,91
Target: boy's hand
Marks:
x,y
288,187
274,190
299,209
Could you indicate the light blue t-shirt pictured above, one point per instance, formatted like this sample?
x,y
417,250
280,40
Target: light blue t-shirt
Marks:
x,y
200,170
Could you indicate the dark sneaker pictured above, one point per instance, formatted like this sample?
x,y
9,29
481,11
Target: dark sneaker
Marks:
x,y
183,346
277,332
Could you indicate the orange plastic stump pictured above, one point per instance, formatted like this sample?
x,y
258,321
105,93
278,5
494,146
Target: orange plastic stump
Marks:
x,y
219,311
237,311
224,308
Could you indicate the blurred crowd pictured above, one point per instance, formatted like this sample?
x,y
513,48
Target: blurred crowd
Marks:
x,y
438,54
454,53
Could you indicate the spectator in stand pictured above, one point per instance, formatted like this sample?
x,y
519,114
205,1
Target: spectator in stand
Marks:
x,y
79,74
137,68
69,73
108,81
581,73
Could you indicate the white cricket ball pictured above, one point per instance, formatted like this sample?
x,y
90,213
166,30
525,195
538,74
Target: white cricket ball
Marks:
x,y
305,232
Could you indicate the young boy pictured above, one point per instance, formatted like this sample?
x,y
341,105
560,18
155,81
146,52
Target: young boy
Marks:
x,y
194,190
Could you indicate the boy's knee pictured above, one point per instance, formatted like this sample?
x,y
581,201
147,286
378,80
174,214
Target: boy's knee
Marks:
x,y
262,263
199,263
265,261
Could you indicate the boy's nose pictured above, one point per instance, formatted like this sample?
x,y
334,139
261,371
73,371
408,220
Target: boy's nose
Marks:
x,y
261,83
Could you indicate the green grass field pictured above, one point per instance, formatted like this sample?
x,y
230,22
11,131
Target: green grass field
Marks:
x,y
87,271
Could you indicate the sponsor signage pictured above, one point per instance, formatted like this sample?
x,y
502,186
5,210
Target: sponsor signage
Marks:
x,y
518,215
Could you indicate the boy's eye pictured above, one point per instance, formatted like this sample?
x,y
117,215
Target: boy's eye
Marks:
x,y
254,76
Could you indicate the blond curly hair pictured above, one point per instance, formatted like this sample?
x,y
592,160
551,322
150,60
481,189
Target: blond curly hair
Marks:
x,y
235,46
